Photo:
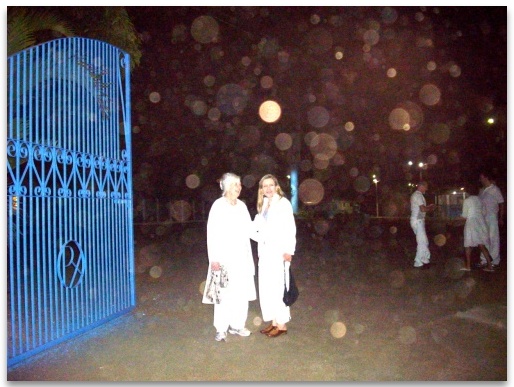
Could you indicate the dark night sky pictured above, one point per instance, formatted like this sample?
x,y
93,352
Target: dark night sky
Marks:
x,y
373,86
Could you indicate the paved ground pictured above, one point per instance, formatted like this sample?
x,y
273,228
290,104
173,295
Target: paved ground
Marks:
x,y
364,314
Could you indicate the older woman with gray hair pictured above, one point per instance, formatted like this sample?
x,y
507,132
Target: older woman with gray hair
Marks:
x,y
229,226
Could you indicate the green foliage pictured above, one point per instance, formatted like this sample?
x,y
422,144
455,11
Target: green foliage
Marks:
x,y
28,26
23,24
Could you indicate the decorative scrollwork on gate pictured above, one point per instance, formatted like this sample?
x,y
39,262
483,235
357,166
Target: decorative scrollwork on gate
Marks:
x,y
70,264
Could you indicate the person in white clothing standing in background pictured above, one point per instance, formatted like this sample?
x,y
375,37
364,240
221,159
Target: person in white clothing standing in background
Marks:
x,y
419,208
494,208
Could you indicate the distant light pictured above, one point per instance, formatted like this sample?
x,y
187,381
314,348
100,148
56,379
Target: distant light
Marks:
x,y
410,163
490,121
420,165
455,192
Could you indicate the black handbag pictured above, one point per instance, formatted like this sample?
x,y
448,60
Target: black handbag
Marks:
x,y
291,294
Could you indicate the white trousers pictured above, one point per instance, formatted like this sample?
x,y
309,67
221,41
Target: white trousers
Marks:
x,y
494,239
271,289
422,251
231,312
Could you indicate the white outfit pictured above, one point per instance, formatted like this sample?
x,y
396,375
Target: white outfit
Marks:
x,y
491,197
228,242
417,222
276,235
475,229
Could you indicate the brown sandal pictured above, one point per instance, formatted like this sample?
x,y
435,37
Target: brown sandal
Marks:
x,y
268,329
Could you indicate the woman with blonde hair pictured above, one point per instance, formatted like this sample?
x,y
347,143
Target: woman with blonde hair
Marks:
x,y
228,246
276,237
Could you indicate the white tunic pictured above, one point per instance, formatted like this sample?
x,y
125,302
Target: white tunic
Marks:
x,y
475,229
416,200
491,198
228,242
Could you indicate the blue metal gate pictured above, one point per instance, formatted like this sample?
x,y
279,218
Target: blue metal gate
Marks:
x,y
70,250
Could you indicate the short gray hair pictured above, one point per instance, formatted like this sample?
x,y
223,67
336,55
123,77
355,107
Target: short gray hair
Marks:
x,y
227,180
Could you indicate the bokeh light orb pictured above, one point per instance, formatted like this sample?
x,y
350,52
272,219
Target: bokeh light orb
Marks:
x,y
311,191
249,181
440,240
432,159
455,71
318,116
323,144
209,80
270,111
154,97
315,19
192,181
310,139
338,159
155,272
214,114
283,141
180,210
257,321
205,29
231,99
430,94
266,82
246,61
338,330
199,107
371,37
399,119
389,15
391,73
321,161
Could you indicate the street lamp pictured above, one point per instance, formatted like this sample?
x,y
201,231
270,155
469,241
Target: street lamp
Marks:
x,y
375,180
421,166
